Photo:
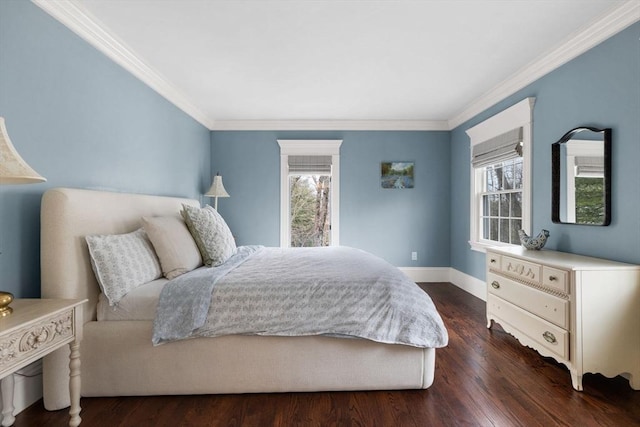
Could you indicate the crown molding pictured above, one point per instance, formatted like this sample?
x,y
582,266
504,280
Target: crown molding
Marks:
x,y
397,125
612,22
77,20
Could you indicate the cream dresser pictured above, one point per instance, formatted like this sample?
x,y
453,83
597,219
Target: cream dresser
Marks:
x,y
583,312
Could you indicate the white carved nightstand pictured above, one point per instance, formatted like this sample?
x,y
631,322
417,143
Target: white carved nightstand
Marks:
x,y
36,328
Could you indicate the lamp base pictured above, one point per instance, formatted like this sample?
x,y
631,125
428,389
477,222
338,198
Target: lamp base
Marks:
x,y
5,299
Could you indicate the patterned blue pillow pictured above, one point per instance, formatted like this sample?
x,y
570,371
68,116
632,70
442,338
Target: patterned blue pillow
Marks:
x,y
211,233
122,262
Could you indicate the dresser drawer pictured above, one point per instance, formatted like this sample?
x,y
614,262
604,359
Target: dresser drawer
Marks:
x,y
555,279
547,306
521,269
493,261
545,334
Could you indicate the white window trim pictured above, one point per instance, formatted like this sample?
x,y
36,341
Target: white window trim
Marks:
x,y
518,115
306,147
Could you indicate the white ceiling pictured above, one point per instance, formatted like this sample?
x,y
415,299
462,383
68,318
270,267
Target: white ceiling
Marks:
x,y
424,62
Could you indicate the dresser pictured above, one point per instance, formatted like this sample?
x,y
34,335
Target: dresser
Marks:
x,y
36,328
583,312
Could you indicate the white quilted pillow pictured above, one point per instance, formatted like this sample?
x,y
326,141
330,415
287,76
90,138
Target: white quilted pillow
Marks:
x,y
211,233
122,262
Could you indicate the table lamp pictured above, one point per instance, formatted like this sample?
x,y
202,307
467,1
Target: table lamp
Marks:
x,y
217,190
13,170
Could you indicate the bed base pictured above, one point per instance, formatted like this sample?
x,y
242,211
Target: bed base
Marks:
x,y
119,360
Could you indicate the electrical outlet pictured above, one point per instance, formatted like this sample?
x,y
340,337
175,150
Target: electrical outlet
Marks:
x,y
414,256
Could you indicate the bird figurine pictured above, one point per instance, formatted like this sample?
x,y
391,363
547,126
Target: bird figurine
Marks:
x,y
535,243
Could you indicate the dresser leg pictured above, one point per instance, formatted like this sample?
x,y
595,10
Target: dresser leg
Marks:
x,y
634,381
74,383
6,385
576,380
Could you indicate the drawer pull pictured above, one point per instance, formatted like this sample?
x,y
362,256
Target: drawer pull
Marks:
x,y
552,278
492,261
549,337
495,284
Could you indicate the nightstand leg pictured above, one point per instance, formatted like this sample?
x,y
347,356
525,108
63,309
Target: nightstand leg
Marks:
x,y
6,385
74,383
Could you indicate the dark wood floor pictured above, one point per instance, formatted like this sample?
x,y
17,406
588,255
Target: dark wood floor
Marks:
x,y
483,378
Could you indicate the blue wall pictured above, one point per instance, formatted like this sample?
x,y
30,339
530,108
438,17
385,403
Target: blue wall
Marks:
x,y
80,120
600,88
388,223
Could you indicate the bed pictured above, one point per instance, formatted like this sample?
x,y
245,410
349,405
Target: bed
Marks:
x,y
119,358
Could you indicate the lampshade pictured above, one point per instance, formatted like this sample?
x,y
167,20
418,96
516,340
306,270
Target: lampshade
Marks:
x,y
13,169
217,189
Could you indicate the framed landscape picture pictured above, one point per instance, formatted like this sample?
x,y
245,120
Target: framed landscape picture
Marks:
x,y
396,174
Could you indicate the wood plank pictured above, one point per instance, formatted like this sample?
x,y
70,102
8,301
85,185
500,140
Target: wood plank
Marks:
x,y
483,378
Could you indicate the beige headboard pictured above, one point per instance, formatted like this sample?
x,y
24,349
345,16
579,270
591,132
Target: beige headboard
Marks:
x,y
68,215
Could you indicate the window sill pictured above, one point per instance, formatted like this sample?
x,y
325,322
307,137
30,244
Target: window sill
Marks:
x,y
482,246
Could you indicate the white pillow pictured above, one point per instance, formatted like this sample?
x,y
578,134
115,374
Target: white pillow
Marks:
x,y
122,262
211,233
173,243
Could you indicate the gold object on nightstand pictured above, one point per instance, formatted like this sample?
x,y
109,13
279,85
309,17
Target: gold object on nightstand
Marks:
x,y
5,300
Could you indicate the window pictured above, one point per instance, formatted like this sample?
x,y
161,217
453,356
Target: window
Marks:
x,y
310,201
501,177
501,212
309,192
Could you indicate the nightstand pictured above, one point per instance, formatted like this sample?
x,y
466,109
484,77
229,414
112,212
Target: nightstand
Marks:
x,y
36,328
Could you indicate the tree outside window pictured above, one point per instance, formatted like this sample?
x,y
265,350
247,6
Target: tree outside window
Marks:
x,y
310,210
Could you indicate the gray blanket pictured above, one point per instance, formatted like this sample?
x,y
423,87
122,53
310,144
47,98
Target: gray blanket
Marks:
x,y
336,291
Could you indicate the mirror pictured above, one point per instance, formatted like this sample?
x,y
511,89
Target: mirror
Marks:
x,y
581,174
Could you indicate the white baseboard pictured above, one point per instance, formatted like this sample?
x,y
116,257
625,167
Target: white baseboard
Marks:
x,y
474,286
27,389
427,274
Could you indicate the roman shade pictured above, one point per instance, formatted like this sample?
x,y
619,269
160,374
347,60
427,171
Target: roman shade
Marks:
x,y
589,166
310,165
503,147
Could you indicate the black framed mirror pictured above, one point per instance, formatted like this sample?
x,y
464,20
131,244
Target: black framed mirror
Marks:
x,y
581,177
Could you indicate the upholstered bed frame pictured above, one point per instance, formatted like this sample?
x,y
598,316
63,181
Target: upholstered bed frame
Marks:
x,y
118,358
